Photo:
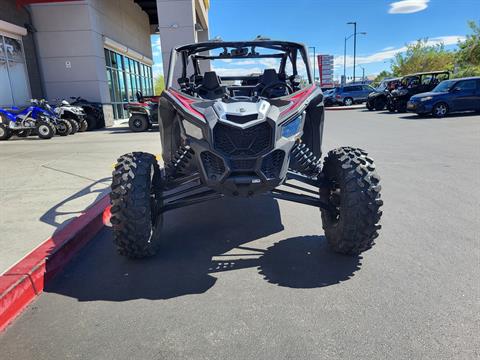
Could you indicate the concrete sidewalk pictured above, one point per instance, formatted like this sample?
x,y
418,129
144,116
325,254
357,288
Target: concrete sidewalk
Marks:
x,y
46,183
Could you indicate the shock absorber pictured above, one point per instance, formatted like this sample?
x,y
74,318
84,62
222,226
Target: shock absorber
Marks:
x,y
304,161
180,160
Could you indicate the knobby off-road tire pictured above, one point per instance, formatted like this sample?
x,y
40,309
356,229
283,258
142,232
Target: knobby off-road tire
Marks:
x,y
136,182
74,124
355,193
5,132
138,123
63,127
83,126
45,129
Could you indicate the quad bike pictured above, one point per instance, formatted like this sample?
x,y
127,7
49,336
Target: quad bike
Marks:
x,y
73,114
94,112
265,141
25,122
143,113
63,127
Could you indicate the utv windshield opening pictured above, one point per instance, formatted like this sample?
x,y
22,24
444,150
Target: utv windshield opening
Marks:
x,y
214,70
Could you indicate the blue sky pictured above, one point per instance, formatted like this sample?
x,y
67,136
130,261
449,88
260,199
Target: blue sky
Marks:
x,y
322,23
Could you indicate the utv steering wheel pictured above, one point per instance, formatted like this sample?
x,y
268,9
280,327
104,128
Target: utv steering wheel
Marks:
x,y
267,90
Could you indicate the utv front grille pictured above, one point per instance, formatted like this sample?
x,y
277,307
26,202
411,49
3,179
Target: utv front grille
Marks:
x,y
272,164
241,119
242,164
214,166
236,142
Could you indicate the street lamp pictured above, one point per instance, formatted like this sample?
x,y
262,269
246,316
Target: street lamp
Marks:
x,y
363,74
314,62
345,55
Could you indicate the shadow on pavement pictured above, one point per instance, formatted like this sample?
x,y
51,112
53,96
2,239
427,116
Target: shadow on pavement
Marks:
x,y
186,265
73,206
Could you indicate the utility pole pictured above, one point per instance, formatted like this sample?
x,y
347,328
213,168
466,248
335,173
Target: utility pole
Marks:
x,y
314,62
354,23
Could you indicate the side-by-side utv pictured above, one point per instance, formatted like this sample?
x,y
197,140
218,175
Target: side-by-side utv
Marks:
x,y
243,136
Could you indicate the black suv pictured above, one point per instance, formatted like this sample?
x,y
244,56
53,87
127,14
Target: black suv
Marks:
x,y
414,84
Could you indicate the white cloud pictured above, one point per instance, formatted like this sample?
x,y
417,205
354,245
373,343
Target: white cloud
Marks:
x,y
389,54
408,6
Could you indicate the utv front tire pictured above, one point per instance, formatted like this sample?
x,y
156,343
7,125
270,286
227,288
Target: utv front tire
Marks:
x,y
45,129
354,192
135,198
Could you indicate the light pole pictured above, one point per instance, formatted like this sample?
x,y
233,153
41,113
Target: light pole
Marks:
x,y
363,74
345,55
314,62
354,23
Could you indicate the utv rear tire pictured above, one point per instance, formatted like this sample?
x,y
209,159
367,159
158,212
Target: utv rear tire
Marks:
x,y
138,123
136,183
355,193
5,132
45,129
369,106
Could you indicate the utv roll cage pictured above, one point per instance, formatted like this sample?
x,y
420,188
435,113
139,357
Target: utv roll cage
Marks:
x,y
421,75
192,54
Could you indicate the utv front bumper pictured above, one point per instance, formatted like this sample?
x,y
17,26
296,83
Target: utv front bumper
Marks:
x,y
238,160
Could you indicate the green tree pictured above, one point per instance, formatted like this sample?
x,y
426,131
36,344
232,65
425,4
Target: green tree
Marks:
x,y
421,56
384,74
468,54
159,84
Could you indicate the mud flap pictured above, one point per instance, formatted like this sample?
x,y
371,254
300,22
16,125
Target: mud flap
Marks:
x,y
169,129
313,128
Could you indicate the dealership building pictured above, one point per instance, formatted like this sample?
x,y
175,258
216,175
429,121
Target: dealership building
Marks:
x,y
99,50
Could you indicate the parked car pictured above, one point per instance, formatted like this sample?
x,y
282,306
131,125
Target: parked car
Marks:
x,y
414,84
352,94
378,100
329,97
447,97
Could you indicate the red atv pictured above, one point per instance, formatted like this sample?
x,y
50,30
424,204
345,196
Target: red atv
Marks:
x,y
143,113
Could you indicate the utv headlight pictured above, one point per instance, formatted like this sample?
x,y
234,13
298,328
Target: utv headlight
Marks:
x,y
426,98
292,127
192,130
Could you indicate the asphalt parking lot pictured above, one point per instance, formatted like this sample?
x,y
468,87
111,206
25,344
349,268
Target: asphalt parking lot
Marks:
x,y
253,279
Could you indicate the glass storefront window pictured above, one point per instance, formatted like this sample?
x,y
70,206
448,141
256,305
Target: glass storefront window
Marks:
x,y
125,77
13,73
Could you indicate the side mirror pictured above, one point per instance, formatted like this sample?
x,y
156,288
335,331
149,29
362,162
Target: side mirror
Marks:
x,y
456,89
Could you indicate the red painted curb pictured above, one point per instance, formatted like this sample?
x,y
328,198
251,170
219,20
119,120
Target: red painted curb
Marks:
x,y
24,281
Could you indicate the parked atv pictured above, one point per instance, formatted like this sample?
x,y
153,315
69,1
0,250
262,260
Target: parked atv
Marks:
x,y
24,122
266,141
63,127
378,100
414,84
74,114
143,113
93,111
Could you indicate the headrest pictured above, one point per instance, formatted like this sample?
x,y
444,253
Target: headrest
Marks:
x,y
210,80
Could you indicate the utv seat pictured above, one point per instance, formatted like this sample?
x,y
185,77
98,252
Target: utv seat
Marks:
x,y
211,87
270,77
